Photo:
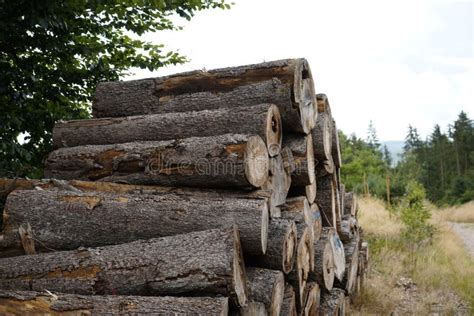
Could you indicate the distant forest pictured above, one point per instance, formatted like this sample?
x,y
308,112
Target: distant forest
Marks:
x,y
443,163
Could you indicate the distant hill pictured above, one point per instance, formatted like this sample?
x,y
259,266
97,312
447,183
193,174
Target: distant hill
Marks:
x,y
395,147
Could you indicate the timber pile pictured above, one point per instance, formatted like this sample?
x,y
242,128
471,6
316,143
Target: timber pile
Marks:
x,y
198,193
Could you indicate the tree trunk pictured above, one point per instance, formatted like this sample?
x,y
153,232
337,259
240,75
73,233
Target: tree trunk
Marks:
x,y
351,251
268,287
350,203
326,201
323,104
42,303
62,220
288,308
225,161
298,277
278,183
280,248
322,138
337,203
333,303
318,225
323,272
204,263
286,83
262,120
335,147
330,234
303,154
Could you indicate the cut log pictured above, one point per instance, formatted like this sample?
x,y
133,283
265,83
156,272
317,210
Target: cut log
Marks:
x,y
310,191
337,203
350,203
323,104
44,303
204,263
342,194
311,300
323,272
303,155
224,161
286,83
322,138
333,303
325,168
288,308
338,251
278,183
351,251
326,200
299,275
297,209
268,287
281,247
251,309
62,220
335,147
364,248
318,225
262,120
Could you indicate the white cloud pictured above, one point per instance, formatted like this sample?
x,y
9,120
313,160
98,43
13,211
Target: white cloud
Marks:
x,y
363,55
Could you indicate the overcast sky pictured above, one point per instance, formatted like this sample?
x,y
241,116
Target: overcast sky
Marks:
x,y
393,62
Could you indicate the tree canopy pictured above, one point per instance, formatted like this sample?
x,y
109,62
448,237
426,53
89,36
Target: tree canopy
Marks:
x,y
53,54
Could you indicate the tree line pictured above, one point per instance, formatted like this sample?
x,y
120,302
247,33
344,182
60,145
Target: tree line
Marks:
x,y
443,164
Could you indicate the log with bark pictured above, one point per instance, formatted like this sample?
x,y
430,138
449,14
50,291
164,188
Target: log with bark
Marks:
x,y
278,183
337,246
262,120
337,202
323,272
335,147
333,303
251,309
47,303
224,161
350,203
351,252
286,83
318,225
199,263
268,287
322,138
288,308
61,220
326,200
323,104
298,277
311,300
297,209
303,156
280,248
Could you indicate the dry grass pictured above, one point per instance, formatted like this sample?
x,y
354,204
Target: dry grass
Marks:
x,y
462,214
442,270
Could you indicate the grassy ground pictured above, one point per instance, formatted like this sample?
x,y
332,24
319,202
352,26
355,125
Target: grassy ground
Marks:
x,y
417,279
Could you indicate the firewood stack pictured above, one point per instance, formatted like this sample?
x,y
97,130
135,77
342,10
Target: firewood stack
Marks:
x,y
207,192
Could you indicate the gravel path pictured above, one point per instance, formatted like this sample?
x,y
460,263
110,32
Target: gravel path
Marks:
x,y
466,232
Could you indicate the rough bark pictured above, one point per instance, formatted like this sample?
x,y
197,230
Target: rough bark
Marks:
x,y
251,309
262,120
351,252
323,272
278,183
329,233
323,104
281,247
288,308
303,155
337,203
286,83
325,168
318,225
299,275
325,199
335,147
44,303
333,303
62,220
268,287
204,263
224,161
322,138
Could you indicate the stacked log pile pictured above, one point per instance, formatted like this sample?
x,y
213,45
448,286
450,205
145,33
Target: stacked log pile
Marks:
x,y
213,192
